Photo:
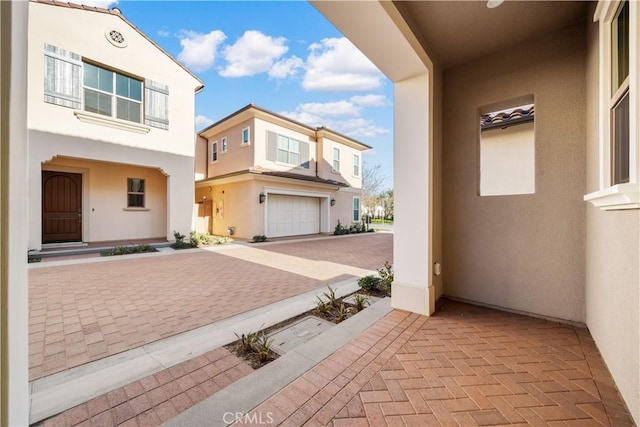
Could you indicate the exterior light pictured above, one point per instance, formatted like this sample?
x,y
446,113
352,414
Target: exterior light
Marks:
x,y
333,202
262,197
491,4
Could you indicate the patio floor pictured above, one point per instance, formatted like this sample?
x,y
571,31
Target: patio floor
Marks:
x,y
464,366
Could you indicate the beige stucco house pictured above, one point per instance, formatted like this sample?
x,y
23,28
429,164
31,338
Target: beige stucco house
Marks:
x,y
111,142
260,173
564,243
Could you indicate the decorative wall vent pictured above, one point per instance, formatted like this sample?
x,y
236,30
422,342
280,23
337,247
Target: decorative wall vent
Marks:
x,y
115,37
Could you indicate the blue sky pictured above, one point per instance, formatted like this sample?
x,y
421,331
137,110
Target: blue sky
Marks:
x,y
283,56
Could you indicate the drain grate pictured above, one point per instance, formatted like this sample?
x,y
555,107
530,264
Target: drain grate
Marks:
x,y
297,333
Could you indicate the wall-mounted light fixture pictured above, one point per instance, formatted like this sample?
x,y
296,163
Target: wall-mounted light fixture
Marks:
x,y
262,197
333,202
492,4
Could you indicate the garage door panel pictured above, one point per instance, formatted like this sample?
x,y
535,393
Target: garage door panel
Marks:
x,y
292,215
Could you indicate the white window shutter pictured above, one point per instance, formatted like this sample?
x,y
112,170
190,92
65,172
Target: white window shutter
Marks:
x,y
62,77
156,104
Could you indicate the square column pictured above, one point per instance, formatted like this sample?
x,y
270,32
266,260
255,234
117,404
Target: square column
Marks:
x,y
413,288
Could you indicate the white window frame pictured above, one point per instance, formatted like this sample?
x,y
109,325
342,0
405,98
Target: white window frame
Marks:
x,y
289,151
356,165
246,141
353,209
335,160
114,95
224,144
215,154
625,195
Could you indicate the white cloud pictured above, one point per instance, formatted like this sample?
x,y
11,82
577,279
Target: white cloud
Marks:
x,y
335,64
323,109
106,4
203,121
163,33
199,50
360,127
369,100
286,68
253,53
341,116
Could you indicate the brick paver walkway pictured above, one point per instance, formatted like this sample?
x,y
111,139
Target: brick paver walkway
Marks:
x,y
369,251
83,312
157,398
465,366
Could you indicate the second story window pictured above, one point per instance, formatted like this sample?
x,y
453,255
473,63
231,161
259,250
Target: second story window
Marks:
x,y
336,160
214,151
356,165
246,135
72,82
224,143
112,94
288,151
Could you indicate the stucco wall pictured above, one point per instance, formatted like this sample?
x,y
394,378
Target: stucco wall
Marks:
x,y
345,174
613,263
237,157
86,37
105,216
522,252
176,170
261,128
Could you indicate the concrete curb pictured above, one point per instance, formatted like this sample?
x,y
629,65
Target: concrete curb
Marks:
x,y
247,393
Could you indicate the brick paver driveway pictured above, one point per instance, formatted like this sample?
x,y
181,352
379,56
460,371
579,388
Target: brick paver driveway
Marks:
x,y
84,312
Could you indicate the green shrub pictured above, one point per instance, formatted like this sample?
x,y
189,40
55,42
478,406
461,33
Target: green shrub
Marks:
x,y
126,250
386,276
259,238
360,301
340,229
369,283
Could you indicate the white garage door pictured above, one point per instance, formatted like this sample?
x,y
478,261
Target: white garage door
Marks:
x,y
292,215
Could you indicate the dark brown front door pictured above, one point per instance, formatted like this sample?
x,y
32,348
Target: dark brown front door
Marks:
x,y
61,207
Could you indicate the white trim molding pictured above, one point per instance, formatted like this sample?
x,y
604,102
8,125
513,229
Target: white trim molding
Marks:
x,y
621,196
99,119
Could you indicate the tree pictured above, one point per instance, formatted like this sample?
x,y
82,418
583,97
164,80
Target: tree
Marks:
x,y
372,195
372,179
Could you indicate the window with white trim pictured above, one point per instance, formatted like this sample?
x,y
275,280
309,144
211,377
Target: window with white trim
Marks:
x,y
111,94
135,193
246,136
214,151
356,209
619,171
288,150
72,82
356,165
336,159
223,142
619,101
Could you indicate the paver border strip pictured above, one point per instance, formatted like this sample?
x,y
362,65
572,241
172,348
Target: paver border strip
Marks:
x,y
249,392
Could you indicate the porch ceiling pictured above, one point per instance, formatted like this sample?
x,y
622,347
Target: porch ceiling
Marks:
x,y
459,31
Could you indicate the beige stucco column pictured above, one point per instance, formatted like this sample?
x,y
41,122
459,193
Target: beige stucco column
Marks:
x,y
413,288
14,354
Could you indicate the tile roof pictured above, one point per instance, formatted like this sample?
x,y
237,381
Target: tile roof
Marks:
x,y
116,12
506,118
